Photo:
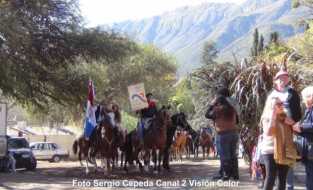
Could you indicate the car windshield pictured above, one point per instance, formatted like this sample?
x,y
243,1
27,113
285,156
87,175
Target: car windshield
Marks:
x,y
18,143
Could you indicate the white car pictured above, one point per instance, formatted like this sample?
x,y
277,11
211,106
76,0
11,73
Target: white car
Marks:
x,y
48,151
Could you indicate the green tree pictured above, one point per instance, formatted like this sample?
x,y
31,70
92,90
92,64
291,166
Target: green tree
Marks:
x,y
40,40
297,3
209,53
255,45
148,65
274,36
261,44
181,101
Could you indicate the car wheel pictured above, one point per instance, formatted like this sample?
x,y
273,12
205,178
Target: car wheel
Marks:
x,y
56,158
32,164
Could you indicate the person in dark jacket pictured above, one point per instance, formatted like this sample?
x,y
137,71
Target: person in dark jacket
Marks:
x,y
146,116
225,116
305,129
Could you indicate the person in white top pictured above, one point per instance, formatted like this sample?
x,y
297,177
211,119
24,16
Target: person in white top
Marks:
x,y
286,99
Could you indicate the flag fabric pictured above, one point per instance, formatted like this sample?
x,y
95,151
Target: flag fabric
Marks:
x,y
90,120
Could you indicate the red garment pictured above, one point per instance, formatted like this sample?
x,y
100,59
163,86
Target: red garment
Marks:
x,y
151,104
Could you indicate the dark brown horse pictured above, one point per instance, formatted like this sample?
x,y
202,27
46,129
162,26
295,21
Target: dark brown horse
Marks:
x,y
177,120
154,141
107,148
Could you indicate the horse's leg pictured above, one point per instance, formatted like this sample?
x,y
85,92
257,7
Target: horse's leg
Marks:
x,y
154,158
137,160
102,163
87,167
113,163
109,165
80,158
159,153
181,150
147,158
196,151
203,151
187,151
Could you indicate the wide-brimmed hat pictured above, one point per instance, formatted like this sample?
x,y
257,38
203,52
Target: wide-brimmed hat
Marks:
x,y
281,73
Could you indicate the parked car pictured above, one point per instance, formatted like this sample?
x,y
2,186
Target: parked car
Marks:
x,y
22,153
48,151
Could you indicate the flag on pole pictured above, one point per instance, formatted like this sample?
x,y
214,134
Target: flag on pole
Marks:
x,y
90,121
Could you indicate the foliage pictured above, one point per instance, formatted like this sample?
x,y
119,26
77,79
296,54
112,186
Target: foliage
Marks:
x,y
182,99
249,82
129,122
39,41
261,44
303,45
297,3
254,49
274,36
209,53
258,44
148,65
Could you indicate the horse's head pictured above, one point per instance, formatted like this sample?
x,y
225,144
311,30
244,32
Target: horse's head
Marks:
x,y
163,116
180,120
105,126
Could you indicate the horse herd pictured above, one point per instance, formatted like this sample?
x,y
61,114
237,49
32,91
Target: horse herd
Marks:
x,y
168,137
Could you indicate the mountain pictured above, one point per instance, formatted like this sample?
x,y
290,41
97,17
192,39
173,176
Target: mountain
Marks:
x,y
182,32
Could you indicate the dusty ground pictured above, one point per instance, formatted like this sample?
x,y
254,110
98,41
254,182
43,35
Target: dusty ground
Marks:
x,y
189,174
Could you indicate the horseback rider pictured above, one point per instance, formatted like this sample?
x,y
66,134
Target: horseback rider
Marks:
x,y
112,110
146,116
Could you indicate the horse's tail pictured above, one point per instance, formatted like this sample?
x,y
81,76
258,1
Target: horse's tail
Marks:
x,y
75,146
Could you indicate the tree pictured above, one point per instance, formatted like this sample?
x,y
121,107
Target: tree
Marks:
x,y
40,40
261,44
148,65
209,53
297,3
274,37
255,45
151,66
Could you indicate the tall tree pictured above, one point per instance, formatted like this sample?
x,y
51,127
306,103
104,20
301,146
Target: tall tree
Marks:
x,y
255,45
261,44
274,36
209,53
40,40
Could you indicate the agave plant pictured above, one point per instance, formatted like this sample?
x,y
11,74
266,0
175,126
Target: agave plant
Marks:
x,y
249,83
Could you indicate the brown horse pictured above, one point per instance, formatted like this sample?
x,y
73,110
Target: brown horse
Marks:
x,y
84,147
154,141
100,143
180,144
189,145
205,142
155,138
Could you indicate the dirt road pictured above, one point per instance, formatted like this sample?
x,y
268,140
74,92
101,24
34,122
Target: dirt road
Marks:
x,y
189,174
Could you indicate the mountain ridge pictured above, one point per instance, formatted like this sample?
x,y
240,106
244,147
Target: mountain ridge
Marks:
x,y
182,32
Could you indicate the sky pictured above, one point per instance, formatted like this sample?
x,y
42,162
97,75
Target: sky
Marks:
x,y
98,12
